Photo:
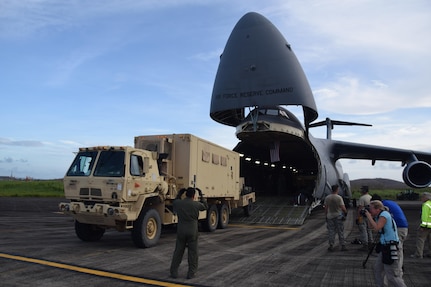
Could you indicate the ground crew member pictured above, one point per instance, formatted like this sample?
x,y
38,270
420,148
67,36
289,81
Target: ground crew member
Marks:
x,y
424,230
386,264
366,234
336,213
187,211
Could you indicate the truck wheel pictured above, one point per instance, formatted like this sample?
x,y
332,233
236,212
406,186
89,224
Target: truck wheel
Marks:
x,y
248,210
223,220
211,222
146,229
88,232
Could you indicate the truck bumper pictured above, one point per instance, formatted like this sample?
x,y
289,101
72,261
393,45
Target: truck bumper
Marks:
x,y
246,199
97,214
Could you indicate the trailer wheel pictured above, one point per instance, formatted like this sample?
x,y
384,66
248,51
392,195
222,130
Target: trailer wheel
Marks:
x,y
223,220
88,232
147,229
211,222
248,210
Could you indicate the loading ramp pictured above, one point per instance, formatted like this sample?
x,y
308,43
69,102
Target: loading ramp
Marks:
x,y
273,210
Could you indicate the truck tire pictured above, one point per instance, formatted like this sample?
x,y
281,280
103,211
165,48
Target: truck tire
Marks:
x,y
223,220
248,209
147,229
211,222
88,232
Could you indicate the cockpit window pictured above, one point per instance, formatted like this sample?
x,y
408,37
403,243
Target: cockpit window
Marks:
x,y
270,112
110,163
82,164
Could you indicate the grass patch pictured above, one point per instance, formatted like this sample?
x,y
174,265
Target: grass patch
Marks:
x,y
32,188
388,193
54,188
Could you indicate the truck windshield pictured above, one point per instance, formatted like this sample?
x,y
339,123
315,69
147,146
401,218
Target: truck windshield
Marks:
x,y
110,163
82,164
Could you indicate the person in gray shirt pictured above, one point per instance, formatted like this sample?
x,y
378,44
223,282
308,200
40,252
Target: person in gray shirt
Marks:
x,y
336,213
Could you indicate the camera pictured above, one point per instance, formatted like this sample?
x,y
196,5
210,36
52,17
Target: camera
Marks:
x,y
362,211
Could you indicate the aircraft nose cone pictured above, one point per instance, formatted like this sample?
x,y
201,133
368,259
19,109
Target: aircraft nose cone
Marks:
x,y
258,68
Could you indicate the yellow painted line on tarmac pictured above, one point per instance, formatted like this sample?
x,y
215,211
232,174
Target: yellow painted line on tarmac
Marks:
x,y
264,227
93,271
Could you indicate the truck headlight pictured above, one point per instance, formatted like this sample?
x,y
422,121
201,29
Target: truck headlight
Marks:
x,y
64,207
76,208
110,211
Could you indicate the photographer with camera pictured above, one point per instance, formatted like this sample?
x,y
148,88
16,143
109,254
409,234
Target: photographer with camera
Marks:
x,y
401,221
187,230
388,253
365,233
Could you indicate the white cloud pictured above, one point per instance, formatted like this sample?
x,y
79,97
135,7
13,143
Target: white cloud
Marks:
x,y
23,143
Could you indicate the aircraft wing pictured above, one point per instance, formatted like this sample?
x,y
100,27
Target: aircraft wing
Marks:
x,y
342,149
417,171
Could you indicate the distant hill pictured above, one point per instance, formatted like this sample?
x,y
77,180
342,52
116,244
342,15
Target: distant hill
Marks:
x,y
378,183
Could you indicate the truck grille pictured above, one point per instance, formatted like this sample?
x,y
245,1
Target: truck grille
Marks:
x,y
89,192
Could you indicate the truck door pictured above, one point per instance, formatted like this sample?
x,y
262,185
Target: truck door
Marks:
x,y
136,178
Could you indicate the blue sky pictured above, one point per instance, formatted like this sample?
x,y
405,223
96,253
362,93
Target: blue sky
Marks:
x,y
85,73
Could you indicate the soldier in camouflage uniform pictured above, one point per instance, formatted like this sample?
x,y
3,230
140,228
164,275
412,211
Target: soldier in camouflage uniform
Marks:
x,y
336,213
187,231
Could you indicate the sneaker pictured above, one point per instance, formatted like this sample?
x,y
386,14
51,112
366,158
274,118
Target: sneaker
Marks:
x,y
343,248
191,275
173,275
331,248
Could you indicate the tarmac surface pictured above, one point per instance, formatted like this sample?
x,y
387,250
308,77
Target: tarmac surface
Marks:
x,y
38,247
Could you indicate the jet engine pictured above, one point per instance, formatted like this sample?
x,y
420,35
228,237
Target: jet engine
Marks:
x,y
417,174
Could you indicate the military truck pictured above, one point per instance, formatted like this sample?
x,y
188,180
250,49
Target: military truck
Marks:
x,y
132,188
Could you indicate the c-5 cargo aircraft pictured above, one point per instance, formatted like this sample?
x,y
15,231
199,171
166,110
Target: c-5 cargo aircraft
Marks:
x,y
259,73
